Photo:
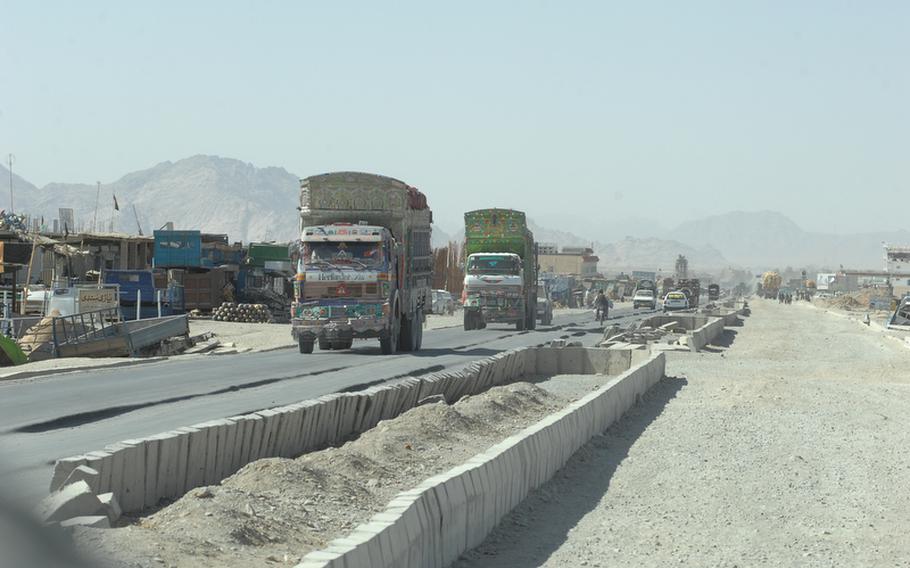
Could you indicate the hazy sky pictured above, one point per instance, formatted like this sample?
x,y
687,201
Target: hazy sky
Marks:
x,y
574,111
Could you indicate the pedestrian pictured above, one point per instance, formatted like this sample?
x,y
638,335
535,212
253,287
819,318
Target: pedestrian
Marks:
x,y
602,305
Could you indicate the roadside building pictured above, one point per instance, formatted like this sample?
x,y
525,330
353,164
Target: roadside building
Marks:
x,y
574,261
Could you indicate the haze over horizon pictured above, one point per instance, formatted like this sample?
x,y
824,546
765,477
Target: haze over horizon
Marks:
x,y
581,114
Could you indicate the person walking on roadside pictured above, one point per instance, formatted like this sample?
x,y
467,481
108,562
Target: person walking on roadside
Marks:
x,y
602,305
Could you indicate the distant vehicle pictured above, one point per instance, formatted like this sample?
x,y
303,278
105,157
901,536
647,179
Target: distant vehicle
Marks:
x,y
676,301
544,303
691,287
644,298
713,292
442,302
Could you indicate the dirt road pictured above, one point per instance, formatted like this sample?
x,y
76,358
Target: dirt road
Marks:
x,y
786,447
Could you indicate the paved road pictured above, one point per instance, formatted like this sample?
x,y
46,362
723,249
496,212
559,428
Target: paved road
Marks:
x,y
50,417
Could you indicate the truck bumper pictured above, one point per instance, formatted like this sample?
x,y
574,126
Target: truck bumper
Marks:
x,y
491,315
338,329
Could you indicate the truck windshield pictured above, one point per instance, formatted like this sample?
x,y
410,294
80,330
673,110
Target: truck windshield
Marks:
x,y
482,264
344,254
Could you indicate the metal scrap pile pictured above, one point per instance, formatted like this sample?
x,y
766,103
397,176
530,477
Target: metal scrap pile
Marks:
x,y
243,313
12,222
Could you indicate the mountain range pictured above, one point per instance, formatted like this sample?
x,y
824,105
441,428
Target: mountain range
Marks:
x,y
223,195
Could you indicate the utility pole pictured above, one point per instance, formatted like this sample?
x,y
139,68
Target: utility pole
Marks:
x,y
10,161
97,199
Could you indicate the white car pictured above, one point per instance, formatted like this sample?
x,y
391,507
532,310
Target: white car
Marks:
x,y
644,298
676,301
443,302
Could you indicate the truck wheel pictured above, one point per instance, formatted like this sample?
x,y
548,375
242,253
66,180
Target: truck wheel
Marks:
x,y
520,325
305,346
389,343
343,344
406,335
470,322
418,331
324,344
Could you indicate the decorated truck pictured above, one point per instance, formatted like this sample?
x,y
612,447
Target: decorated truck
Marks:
x,y
363,263
500,283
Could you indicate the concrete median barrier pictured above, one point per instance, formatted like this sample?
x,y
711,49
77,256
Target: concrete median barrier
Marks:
x,y
707,333
448,514
141,473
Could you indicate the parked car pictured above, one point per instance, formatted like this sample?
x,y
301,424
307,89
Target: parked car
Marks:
x,y
644,298
443,302
676,301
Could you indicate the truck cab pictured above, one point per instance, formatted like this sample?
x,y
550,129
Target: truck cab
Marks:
x,y
346,276
494,289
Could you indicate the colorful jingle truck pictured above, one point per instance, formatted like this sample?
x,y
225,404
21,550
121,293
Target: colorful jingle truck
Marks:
x,y
364,263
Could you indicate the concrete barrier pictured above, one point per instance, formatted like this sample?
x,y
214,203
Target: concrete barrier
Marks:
x,y
706,334
142,472
448,514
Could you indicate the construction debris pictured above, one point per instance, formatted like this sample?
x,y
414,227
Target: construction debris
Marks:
x,y
243,313
11,222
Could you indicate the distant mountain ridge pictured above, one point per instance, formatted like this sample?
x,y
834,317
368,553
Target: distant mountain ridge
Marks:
x,y
217,195
224,195
768,239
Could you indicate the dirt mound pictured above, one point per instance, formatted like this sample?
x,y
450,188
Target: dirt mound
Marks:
x,y
278,509
857,300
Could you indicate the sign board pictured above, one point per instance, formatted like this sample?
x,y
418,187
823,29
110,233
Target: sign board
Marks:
x,y
91,299
825,282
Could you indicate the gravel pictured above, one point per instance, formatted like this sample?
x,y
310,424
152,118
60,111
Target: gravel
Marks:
x,y
785,448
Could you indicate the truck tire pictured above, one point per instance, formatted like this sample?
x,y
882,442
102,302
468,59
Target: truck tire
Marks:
x,y
521,324
418,331
406,335
305,346
388,344
324,344
470,321
343,344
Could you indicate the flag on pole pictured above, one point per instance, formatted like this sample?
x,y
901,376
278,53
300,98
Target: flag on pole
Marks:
x,y
116,205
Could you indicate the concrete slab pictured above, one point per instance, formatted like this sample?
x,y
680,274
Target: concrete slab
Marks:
x,y
71,501
62,468
86,474
103,463
111,507
94,521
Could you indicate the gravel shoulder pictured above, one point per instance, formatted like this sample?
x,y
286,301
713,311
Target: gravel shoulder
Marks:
x,y
781,446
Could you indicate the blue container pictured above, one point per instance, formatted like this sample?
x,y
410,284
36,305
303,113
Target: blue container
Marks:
x,y
178,249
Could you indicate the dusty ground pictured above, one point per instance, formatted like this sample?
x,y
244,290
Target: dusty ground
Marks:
x,y
786,449
277,510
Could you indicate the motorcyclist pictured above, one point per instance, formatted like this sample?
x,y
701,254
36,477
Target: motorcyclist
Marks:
x,y
602,305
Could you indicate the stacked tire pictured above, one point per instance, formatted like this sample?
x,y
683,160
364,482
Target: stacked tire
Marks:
x,y
242,313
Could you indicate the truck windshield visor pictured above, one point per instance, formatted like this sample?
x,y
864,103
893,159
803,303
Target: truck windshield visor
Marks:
x,y
482,264
344,254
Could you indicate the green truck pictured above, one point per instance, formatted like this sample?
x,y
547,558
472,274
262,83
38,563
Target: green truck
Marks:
x,y
500,283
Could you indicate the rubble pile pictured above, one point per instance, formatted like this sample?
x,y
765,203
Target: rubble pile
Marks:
x,y
671,333
242,313
12,222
